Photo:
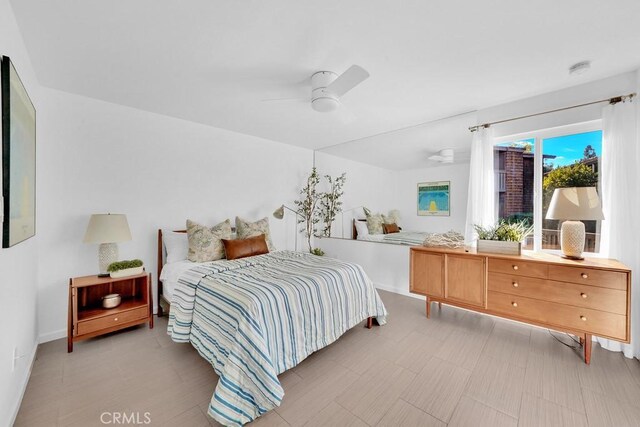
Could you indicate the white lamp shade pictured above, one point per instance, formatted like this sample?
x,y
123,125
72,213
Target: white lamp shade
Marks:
x,y
107,228
575,203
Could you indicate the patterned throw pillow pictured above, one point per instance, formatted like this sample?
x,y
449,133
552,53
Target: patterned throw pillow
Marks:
x,y
374,223
392,218
205,243
246,229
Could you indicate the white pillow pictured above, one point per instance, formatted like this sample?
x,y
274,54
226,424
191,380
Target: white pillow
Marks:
x,y
362,229
176,245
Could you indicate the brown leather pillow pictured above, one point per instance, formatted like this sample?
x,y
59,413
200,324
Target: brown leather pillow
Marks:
x,y
241,248
390,228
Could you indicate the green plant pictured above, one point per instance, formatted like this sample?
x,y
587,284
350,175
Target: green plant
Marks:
x,y
307,205
330,204
504,231
121,265
317,251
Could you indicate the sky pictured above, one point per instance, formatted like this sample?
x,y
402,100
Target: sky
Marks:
x,y
567,148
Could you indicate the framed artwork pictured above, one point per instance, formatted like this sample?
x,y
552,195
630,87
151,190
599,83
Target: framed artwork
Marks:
x,y
433,198
18,158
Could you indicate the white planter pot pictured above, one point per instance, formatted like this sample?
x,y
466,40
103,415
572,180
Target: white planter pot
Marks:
x,y
499,247
126,272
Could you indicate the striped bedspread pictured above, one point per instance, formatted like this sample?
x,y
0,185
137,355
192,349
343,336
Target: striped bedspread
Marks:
x,y
256,317
406,238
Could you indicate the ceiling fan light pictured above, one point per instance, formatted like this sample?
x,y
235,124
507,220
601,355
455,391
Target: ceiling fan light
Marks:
x,y
325,104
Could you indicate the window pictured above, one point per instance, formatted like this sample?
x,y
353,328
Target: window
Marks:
x,y
529,167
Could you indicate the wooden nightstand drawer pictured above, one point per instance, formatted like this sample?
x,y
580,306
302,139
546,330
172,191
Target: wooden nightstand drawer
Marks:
x,y
93,325
603,299
519,268
589,276
559,315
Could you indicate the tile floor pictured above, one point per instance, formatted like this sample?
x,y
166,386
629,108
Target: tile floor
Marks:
x,y
457,368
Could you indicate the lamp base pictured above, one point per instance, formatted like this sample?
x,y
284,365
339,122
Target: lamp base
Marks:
x,y
107,254
572,239
573,257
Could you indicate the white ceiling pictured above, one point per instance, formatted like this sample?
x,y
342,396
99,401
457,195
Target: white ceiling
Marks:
x,y
213,61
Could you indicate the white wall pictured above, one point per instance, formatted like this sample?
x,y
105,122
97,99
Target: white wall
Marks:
x,y
18,265
100,157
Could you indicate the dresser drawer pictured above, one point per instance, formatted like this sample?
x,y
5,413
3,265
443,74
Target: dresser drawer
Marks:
x,y
564,316
519,268
93,325
603,299
589,276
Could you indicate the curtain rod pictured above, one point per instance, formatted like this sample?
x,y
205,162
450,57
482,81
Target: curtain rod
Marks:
x,y
614,100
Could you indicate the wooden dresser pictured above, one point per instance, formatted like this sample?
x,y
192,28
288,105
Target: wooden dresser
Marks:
x,y
585,298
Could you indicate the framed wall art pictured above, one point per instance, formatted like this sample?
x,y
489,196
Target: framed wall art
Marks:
x,y
433,198
18,158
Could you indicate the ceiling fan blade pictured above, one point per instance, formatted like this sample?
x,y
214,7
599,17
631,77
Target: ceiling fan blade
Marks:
x,y
284,99
348,80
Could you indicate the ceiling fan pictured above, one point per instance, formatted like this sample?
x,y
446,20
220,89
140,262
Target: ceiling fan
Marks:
x,y
443,156
327,87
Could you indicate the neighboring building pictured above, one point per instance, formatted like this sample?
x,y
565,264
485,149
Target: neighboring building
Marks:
x,y
514,180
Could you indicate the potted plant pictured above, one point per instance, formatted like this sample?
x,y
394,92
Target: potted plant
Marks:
x,y
503,238
125,268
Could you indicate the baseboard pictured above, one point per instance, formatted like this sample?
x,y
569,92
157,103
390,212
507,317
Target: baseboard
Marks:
x,y
25,381
397,291
51,336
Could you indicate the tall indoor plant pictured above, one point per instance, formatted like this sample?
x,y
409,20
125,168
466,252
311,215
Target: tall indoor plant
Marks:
x,y
330,203
307,206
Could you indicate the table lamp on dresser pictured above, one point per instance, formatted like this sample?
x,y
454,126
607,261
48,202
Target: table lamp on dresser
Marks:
x,y
107,230
574,205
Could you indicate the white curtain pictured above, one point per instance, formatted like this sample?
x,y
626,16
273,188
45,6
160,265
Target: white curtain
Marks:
x,y
620,184
481,208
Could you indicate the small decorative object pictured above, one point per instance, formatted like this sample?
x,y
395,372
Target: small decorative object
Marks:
x,y
503,238
18,158
111,301
317,251
450,239
574,204
107,230
433,198
125,268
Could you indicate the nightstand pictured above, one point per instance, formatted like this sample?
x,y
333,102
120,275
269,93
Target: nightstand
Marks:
x,y
87,317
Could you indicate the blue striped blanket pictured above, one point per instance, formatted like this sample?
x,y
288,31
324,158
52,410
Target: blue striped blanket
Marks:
x,y
256,317
406,237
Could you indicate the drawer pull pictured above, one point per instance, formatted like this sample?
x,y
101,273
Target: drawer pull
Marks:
x,y
515,284
515,304
584,275
115,319
583,295
515,267
583,318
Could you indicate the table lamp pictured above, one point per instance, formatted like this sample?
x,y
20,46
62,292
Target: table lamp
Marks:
x,y
573,205
107,230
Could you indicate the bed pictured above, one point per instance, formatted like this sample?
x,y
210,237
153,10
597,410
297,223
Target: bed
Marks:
x,y
256,317
411,238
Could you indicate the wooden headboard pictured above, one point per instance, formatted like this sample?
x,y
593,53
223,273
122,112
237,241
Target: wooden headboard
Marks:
x,y
161,264
354,232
